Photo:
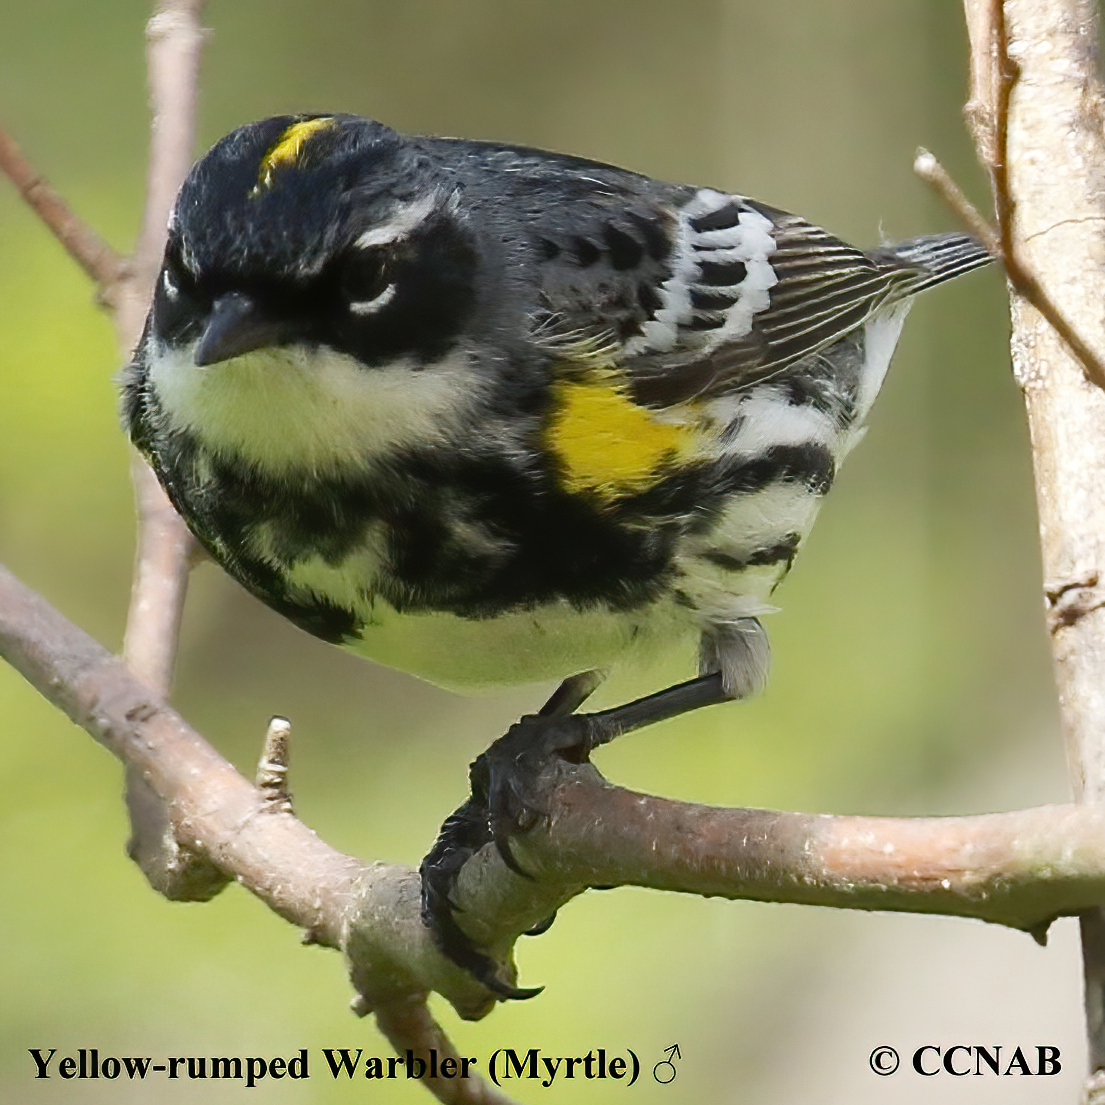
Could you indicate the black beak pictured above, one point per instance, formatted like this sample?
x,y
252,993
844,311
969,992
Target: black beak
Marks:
x,y
235,326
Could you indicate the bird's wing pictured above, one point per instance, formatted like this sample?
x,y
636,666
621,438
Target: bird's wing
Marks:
x,y
702,292
699,292
751,291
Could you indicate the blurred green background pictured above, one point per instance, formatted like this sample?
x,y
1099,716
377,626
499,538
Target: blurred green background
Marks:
x,y
911,671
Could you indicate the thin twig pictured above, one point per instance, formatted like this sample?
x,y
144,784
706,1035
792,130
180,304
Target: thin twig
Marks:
x,y
1021,278
994,74
1005,74
933,173
272,770
165,548
162,558
408,1025
979,109
99,261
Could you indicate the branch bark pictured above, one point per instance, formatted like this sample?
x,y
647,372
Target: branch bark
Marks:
x,y
1037,113
174,42
98,260
371,912
165,548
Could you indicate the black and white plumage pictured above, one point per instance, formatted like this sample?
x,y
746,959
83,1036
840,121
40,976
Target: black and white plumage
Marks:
x,y
490,414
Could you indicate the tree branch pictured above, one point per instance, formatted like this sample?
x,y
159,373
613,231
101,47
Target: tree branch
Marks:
x,y
370,912
98,260
175,40
165,548
174,44
1019,869
1037,113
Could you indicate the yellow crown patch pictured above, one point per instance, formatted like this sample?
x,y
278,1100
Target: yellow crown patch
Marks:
x,y
287,150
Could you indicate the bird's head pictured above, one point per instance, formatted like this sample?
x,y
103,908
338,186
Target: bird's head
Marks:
x,y
315,230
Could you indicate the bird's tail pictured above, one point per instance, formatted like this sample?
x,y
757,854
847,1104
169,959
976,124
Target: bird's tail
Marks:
x,y
936,257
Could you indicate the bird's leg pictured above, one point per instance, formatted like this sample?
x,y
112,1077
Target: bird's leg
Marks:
x,y
504,799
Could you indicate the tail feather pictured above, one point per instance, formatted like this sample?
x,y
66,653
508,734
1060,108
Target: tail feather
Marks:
x,y
936,257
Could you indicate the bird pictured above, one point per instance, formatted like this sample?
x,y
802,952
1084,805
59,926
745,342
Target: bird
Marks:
x,y
491,414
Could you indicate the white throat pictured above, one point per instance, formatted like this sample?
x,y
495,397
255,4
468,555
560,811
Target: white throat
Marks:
x,y
297,408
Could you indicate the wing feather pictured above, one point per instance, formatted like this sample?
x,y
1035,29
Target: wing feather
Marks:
x,y
822,289
701,292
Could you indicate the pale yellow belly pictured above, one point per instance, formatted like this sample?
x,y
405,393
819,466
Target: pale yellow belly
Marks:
x,y
549,642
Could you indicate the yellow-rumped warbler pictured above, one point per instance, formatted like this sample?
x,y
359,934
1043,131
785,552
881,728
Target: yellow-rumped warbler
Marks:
x,y
490,414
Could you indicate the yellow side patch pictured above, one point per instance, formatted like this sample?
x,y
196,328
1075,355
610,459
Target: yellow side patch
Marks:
x,y
609,446
288,148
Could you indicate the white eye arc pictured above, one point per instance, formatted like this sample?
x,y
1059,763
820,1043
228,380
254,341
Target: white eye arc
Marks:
x,y
377,303
404,219
171,290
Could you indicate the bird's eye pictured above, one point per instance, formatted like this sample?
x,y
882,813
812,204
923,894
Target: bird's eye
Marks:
x,y
366,281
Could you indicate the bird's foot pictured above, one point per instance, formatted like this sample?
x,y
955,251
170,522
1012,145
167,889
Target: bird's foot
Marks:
x,y
505,800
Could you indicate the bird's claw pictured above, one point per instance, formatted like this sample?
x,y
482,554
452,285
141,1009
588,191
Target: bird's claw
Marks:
x,y
506,785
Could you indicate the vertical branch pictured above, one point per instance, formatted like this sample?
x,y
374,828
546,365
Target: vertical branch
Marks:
x,y
174,43
1036,110
1056,178
162,560
164,547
